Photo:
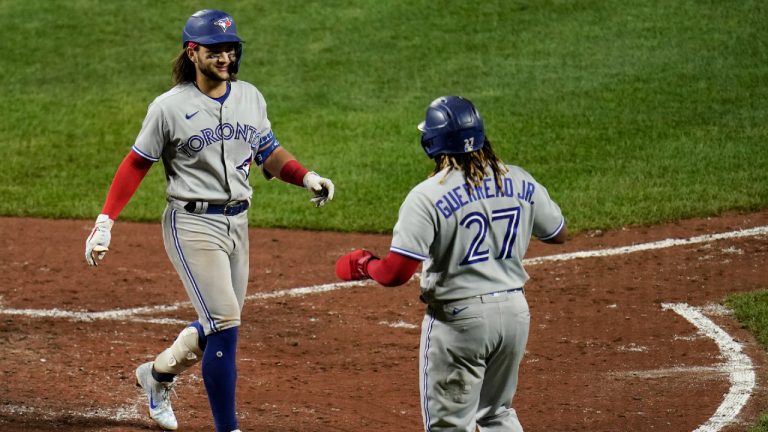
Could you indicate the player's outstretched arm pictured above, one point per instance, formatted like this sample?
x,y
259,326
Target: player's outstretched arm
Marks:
x,y
283,165
393,270
129,175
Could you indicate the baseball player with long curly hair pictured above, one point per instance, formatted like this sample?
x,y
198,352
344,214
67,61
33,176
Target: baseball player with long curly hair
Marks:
x,y
469,224
207,130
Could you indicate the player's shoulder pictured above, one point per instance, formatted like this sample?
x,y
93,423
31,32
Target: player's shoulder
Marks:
x,y
515,171
247,92
173,94
245,86
428,188
426,185
419,197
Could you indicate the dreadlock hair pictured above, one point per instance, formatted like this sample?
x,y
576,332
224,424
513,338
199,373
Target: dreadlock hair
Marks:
x,y
473,165
184,71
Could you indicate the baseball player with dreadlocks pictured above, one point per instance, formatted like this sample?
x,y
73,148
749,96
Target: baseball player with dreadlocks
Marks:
x,y
207,130
469,224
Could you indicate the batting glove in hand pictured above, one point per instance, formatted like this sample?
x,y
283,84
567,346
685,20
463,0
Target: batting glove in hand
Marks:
x,y
97,244
320,186
354,265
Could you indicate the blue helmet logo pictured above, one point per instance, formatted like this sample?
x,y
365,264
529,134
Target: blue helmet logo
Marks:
x,y
451,125
224,23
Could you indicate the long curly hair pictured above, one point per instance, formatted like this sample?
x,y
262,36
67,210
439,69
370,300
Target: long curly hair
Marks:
x,y
473,165
184,71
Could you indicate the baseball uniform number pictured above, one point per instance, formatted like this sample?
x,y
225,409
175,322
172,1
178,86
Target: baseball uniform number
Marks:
x,y
509,219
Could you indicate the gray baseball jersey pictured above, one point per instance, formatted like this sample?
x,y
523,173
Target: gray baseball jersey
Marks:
x,y
473,243
207,146
475,328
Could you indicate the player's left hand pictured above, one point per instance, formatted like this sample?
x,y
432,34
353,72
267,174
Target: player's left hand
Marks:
x,y
320,186
354,265
97,243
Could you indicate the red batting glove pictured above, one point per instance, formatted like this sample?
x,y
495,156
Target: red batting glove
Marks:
x,y
354,265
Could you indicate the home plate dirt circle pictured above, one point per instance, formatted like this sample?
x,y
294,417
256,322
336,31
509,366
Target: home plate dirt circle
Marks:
x,y
628,332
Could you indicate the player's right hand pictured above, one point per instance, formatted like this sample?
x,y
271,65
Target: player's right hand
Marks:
x,y
97,244
320,186
354,265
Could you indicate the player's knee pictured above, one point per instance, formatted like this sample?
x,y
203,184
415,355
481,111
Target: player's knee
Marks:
x,y
184,353
222,324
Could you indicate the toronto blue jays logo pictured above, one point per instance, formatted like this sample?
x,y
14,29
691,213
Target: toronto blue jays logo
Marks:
x,y
223,23
223,132
245,166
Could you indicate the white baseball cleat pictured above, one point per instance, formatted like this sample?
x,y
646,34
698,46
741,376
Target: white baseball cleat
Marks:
x,y
158,395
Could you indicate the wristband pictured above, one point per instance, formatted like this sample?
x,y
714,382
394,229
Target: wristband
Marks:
x,y
293,172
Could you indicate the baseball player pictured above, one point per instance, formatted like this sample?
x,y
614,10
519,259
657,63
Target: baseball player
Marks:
x,y
208,130
469,224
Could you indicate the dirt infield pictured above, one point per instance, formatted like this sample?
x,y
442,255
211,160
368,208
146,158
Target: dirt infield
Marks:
x,y
606,351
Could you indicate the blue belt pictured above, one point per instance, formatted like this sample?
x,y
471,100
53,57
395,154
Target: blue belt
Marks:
x,y
231,208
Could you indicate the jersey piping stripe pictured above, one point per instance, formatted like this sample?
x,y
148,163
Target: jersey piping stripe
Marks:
x,y
267,139
144,155
425,402
192,280
407,253
556,232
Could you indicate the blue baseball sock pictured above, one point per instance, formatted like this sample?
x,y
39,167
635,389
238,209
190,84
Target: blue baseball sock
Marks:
x,y
220,377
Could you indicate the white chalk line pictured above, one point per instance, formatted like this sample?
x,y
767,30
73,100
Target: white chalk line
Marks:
x,y
119,314
739,366
130,412
751,232
701,372
131,314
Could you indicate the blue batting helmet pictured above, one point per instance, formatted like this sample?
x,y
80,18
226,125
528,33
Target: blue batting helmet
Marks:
x,y
451,125
209,27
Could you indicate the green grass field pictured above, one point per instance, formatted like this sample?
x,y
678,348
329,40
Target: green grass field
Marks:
x,y
629,112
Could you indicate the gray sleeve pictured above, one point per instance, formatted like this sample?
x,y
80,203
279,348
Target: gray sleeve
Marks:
x,y
414,231
153,135
265,127
267,142
548,219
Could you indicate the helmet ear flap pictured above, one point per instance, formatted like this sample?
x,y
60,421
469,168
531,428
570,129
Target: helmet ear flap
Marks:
x,y
235,66
427,145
